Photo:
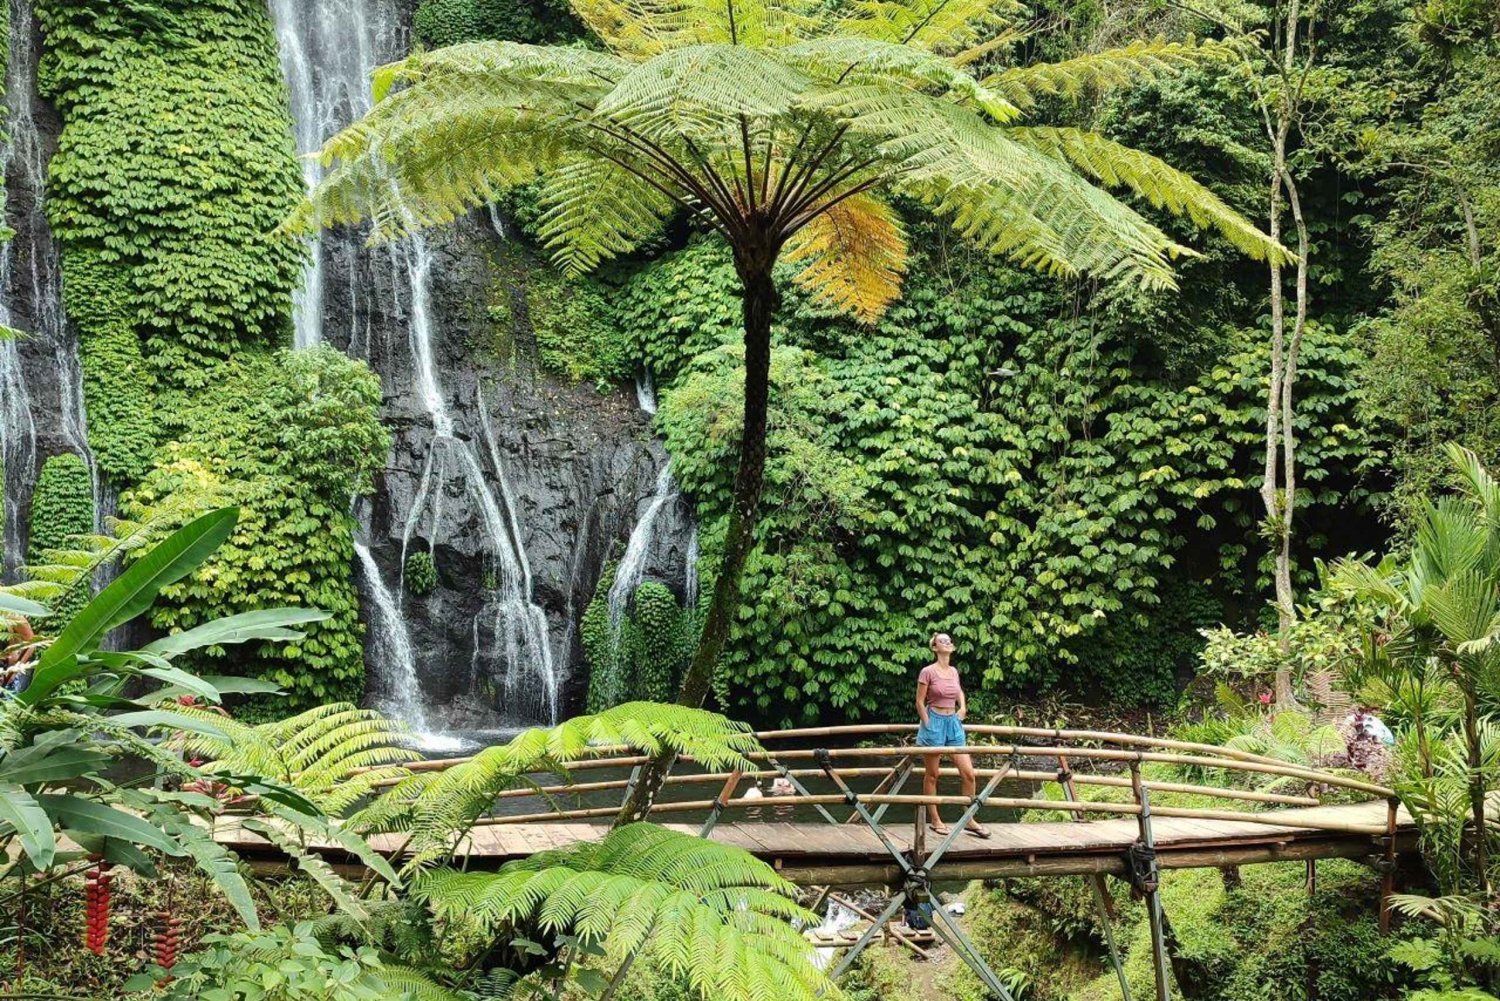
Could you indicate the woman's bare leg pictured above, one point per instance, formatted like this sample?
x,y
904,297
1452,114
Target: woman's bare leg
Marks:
x,y
931,764
966,781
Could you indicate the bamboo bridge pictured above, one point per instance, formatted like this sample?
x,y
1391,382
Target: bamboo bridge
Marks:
x,y
848,838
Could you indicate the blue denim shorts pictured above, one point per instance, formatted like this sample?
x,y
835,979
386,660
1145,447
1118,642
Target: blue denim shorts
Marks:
x,y
941,731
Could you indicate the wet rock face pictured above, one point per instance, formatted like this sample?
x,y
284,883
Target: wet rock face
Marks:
x,y
570,470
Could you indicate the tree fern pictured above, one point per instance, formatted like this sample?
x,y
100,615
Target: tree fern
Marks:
x,y
438,808
710,913
335,755
764,120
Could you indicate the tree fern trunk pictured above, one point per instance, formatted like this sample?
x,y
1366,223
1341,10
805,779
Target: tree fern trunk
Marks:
x,y
760,303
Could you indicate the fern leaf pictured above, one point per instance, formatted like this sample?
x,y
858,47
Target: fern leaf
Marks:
x,y
853,256
1138,62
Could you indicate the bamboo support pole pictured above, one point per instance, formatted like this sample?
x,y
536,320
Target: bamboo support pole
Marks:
x,y
898,936
1388,877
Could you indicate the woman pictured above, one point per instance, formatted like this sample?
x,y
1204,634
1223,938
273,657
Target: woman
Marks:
x,y
941,707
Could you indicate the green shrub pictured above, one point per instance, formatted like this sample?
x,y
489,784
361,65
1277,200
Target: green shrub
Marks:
x,y
62,504
290,438
646,659
420,573
440,23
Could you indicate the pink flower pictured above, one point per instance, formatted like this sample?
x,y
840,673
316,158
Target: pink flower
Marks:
x,y
1265,698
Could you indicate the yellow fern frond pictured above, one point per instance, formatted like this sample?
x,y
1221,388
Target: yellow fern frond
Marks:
x,y
853,256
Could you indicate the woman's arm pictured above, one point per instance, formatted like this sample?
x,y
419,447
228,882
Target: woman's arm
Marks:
x,y
963,703
922,701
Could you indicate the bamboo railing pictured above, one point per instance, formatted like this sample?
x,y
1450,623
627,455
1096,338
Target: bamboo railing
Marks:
x,y
1066,747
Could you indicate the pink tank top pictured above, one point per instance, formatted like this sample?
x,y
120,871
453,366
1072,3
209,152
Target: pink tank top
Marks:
x,y
942,690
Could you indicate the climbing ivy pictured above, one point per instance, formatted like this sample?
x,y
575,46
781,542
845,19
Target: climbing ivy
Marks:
x,y
1008,461
645,657
116,383
290,438
420,573
174,165
62,504
448,22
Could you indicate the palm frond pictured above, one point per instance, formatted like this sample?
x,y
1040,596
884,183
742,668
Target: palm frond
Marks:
x,y
852,257
1164,186
1138,62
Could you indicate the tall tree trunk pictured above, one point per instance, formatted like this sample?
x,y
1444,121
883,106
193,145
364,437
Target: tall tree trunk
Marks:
x,y
1477,790
761,300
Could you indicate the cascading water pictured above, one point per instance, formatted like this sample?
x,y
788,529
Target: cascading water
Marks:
x,y
328,49
31,297
633,564
328,52
645,391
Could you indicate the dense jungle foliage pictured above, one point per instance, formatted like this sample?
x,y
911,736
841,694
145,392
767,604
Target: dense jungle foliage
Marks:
x,y
1061,474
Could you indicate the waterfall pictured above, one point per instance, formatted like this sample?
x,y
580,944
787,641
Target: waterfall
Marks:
x,y
31,296
645,391
633,564
690,572
837,920
329,50
388,628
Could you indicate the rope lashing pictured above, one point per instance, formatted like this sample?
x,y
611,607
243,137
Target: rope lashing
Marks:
x,y
1141,870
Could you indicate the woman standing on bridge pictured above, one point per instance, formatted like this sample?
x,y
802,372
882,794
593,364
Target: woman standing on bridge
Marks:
x,y
941,707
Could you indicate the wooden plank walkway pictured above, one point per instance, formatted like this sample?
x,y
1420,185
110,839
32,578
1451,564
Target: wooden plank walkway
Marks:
x,y
822,854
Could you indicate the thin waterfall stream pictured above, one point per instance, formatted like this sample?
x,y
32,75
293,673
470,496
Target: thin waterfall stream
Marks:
x,y
329,51
31,299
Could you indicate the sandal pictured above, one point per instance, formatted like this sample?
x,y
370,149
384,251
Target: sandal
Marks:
x,y
981,832
938,829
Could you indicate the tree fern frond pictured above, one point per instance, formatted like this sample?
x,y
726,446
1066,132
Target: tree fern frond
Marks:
x,y
852,257
852,61
438,808
700,90
593,210
315,868
332,754
944,26
1164,186
727,932
1138,62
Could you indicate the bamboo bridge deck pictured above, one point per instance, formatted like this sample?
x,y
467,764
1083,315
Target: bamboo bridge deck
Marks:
x,y
1289,824
817,854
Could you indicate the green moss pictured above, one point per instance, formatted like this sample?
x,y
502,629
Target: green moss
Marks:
x,y
62,504
289,438
420,573
575,331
